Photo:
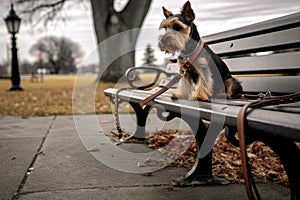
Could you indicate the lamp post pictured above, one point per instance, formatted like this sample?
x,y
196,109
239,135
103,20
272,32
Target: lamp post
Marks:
x,y
13,24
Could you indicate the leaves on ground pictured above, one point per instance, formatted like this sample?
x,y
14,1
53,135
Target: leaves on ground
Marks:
x,y
265,164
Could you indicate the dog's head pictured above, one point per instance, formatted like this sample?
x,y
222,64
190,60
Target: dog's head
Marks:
x,y
177,29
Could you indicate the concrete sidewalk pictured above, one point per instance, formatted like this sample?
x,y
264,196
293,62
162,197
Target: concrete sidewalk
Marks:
x,y
46,158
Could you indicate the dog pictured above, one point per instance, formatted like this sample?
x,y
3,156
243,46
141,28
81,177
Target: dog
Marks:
x,y
201,79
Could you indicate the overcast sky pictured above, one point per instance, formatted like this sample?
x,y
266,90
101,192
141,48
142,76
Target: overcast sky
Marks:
x,y
211,17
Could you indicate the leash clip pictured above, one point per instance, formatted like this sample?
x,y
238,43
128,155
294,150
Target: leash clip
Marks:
x,y
264,95
184,68
182,71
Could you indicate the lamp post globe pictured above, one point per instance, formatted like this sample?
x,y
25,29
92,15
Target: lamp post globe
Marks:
x,y
13,22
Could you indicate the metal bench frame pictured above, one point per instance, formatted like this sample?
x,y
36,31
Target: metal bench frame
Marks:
x,y
276,126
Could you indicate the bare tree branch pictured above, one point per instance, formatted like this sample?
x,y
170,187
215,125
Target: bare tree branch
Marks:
x,y
39,10
59,4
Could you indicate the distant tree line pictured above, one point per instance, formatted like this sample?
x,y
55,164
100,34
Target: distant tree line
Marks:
x,y
57,55
3,69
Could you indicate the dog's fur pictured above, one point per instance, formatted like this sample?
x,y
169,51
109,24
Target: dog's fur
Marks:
x,y
182,36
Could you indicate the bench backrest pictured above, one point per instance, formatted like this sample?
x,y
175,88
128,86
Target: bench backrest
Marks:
x,y
265,56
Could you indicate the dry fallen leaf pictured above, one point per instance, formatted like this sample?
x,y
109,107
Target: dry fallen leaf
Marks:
x,y
106,121
41,152
147,174
95,149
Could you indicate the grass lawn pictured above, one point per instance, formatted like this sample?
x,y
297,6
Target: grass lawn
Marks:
x,y
53,96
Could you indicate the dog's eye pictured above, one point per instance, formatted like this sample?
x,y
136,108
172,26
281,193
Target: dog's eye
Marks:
x,y
177,27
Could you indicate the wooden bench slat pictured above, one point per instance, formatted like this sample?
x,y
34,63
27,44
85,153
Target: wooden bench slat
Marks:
x,y
289,38
279,84
279,23
275,63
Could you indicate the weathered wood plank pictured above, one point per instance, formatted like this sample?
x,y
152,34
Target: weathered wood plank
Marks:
x,y
274,63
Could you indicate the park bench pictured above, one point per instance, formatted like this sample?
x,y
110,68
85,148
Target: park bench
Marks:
x,y
265,57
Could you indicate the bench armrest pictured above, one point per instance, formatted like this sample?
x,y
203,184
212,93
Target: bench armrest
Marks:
x,y
132,76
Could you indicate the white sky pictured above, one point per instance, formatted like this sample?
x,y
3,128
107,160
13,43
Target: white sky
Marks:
x,y
211,17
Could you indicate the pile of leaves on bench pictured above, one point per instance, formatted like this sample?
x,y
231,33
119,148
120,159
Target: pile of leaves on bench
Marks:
x,y
265,164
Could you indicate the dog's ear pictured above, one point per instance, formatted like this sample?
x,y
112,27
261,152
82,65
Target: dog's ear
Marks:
x,y
167,13
188,12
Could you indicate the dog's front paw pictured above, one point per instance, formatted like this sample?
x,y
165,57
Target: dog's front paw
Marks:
x,y
178,96
173,96
200,98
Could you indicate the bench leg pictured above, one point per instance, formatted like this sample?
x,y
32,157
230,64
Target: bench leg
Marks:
x,y
141,117
201,172
289,155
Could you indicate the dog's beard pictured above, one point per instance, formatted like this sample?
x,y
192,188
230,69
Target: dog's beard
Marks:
x,y
172,42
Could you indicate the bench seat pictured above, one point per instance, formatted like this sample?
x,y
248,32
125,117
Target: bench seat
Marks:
x,y
282,120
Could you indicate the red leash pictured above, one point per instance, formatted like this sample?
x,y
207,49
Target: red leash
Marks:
x,y
177,78
251,189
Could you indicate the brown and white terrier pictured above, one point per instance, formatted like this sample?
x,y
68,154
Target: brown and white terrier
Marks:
x,y
208,76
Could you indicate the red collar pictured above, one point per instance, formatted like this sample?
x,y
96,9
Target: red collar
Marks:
x,y
192,58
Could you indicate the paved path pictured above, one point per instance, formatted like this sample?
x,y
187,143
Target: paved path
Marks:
x,y
45,158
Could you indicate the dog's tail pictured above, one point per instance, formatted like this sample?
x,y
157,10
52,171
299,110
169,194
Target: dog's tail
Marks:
x,y
237,89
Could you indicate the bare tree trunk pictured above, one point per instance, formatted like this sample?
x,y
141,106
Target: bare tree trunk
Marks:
x,y
107,23
117,52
